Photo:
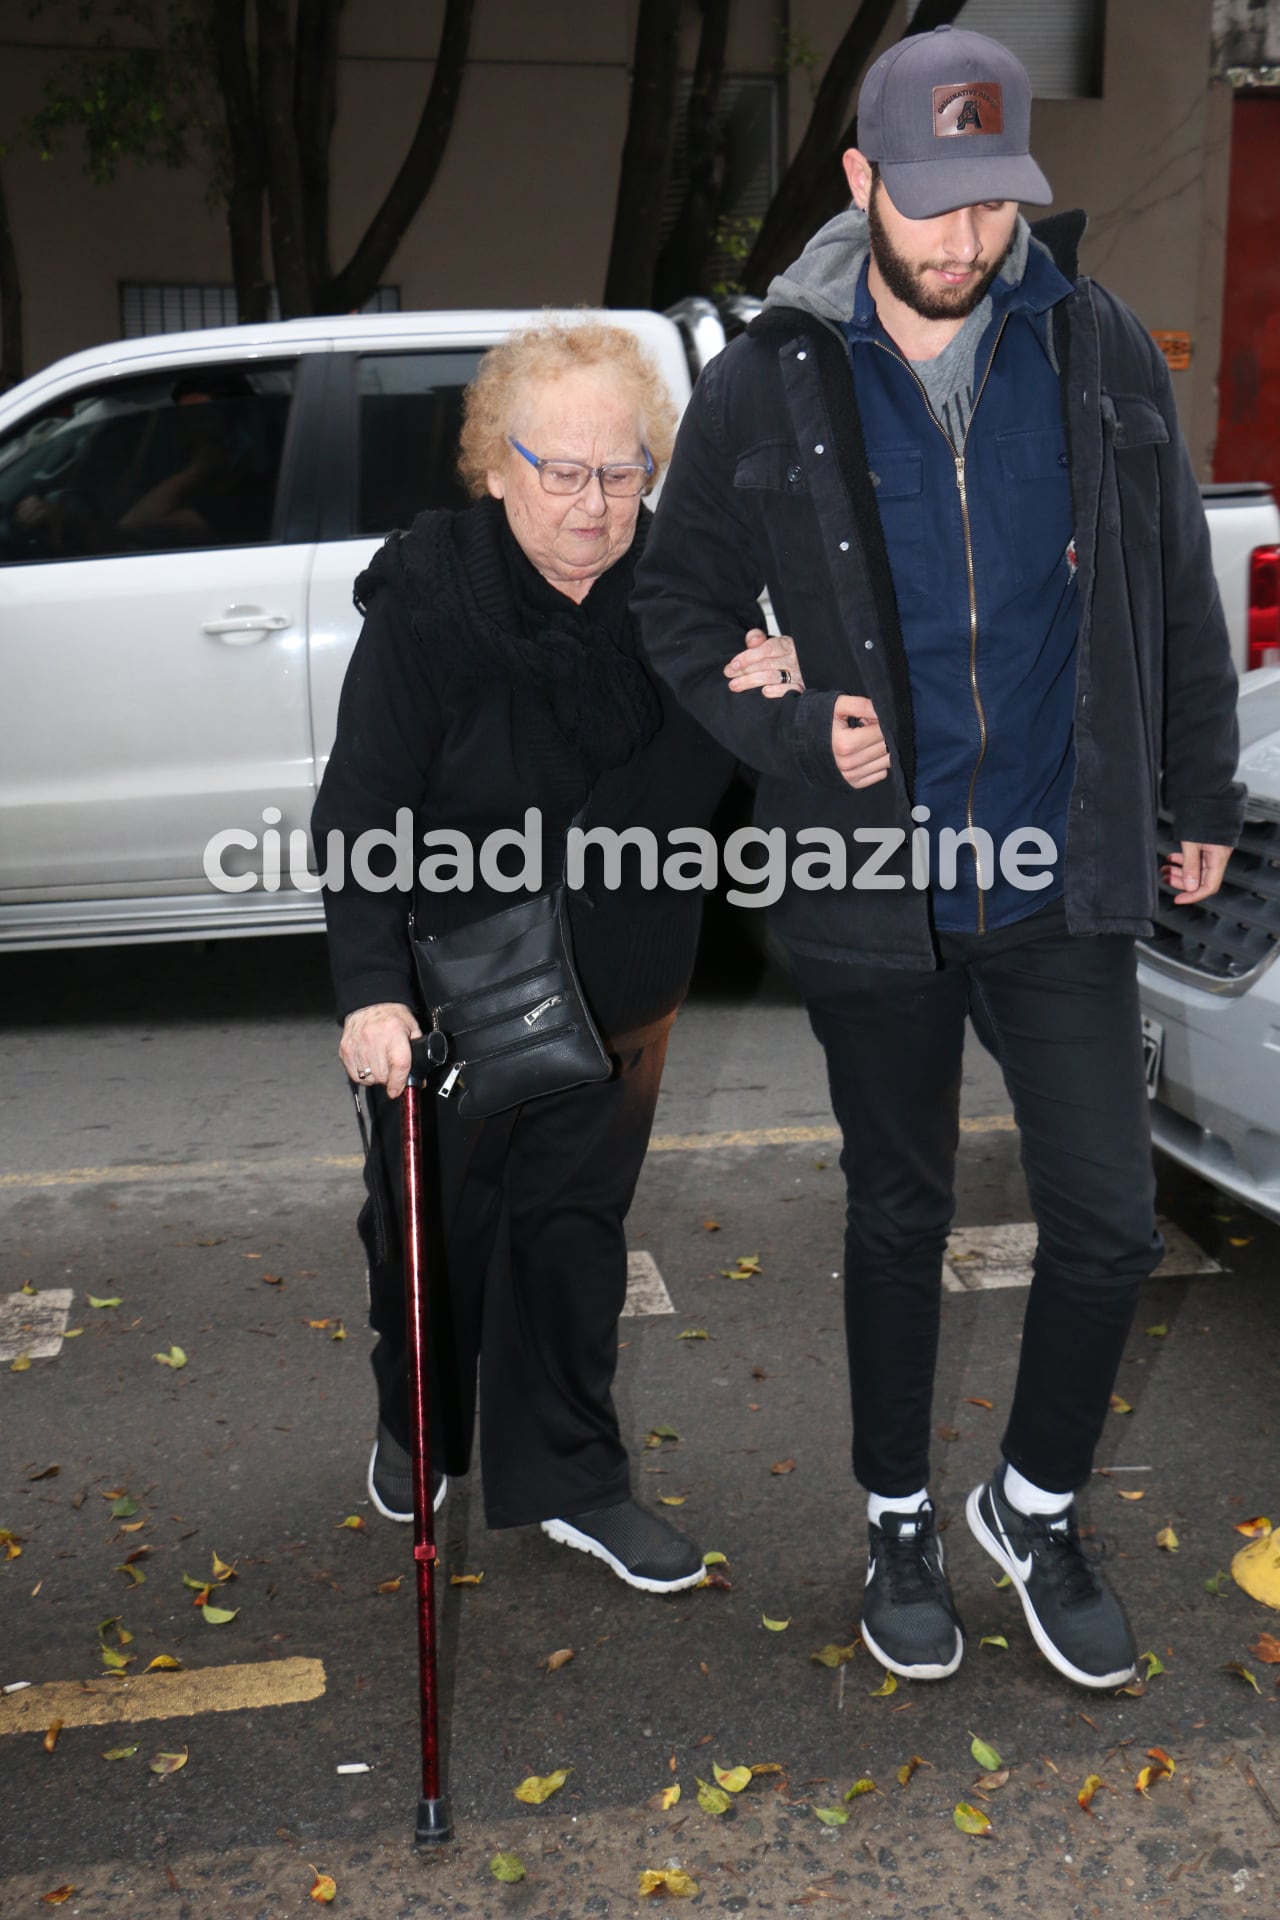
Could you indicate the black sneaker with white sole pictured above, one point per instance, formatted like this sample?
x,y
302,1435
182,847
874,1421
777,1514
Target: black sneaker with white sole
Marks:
x,y
390,1479
1076,1621
642,1549
909,1619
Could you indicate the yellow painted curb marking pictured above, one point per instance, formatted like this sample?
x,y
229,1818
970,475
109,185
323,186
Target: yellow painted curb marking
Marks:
x,y
197,1170
162,1696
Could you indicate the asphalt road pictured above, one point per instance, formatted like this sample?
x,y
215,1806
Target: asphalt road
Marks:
x,y
178,1139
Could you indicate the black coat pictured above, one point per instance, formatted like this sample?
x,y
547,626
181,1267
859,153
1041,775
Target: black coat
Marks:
x,y
769,487
425,723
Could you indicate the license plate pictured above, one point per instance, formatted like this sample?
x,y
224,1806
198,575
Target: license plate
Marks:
x,y
1152,1053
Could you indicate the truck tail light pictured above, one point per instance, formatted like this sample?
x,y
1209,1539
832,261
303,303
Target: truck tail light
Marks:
x,y
1264,607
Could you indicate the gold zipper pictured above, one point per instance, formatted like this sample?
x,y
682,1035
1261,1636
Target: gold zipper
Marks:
x,y
959,459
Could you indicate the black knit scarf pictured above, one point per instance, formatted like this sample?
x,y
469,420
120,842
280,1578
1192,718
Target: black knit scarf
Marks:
x,y
468,579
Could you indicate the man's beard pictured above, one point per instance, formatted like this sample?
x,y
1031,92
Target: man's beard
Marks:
x,y
905,281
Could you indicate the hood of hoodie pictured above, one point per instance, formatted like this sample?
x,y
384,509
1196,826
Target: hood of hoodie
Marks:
x,y
824,280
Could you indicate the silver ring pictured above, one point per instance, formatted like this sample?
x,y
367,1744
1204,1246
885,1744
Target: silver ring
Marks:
x,y
784,677
364,1073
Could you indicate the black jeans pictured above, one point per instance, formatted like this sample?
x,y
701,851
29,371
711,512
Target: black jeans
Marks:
x,y
528,1265
1060,1014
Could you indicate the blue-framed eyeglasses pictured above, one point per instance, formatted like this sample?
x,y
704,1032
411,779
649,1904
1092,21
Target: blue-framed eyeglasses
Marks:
x,y
574,476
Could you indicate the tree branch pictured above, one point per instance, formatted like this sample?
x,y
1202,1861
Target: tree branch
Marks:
x,y
646,156
358,279
682,264
315,108
244,188
10,301
280,156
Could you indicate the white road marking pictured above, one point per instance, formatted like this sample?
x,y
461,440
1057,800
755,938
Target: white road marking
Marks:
x,y
646,1289
982,1259
34,1323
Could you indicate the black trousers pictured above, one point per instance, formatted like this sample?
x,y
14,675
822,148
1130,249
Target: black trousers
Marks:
x,y
528,1264
1060,1014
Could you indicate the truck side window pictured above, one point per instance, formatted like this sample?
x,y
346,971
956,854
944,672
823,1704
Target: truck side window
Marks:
x,y
410,412
169,461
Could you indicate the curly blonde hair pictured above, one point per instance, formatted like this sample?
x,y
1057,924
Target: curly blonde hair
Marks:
x,y
544,353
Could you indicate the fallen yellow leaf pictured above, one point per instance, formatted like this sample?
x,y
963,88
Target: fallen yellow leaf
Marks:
x,y
672,1499
670,1880
1085,1796
670,1797
166,1763
507,1867
833,1816
465,1579
221,1570
325,1888
389,1586
833,1656
1119,1405
560,1658
164,1663
970,1820
538,1787
775,1626
732,1779
50,1740
887,1686
353,1523
1167,1539
1136,1493
175,1358
1251,1529
1256,1568
859,1787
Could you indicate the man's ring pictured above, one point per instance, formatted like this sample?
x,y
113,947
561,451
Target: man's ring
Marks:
x,y
784,677
364,1073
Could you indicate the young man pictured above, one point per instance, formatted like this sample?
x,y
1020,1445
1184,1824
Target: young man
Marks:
x,y
956,467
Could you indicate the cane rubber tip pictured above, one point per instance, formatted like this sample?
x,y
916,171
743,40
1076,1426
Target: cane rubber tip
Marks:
x,y
434,1826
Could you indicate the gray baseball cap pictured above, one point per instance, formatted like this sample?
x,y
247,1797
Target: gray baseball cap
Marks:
x,y
947,116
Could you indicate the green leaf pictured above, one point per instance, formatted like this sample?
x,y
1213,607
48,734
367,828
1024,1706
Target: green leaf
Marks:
x,y
1003,1581
714,1559
507,1867
775,1626
985,1755
693,1333
1154,1664
713,1799
175,1358
860,1787
833,1816
114,1300
1214,1585
124,1508
119,1753
219,1616
994,1640
833,1656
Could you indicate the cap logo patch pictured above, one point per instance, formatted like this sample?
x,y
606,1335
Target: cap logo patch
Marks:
x,y
976,107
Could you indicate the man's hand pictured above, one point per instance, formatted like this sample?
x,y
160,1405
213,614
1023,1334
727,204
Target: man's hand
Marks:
x,y
1197,871
857,742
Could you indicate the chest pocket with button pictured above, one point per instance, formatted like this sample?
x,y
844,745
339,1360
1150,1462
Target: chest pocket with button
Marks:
x,y
897,475
1133,430
1036,484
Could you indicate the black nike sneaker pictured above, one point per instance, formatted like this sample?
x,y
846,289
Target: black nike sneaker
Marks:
x,y
1076,1621
909,1619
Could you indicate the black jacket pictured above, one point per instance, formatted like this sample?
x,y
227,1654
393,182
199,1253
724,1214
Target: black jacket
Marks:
x,y
427,722
769,487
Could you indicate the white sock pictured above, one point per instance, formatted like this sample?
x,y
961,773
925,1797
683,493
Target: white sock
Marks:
x,y
1026,1497
880,1503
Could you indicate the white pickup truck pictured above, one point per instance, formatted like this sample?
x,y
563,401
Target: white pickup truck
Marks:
x,y
181,521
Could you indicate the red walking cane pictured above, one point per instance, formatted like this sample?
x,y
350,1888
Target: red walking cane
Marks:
x,y
434,1825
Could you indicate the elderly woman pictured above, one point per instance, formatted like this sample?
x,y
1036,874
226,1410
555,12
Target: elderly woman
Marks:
x,y
498,670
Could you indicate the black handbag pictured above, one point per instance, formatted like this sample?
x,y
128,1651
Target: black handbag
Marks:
x,y
504,995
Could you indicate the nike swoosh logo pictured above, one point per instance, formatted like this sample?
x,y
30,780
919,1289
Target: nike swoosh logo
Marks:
x,y
871,1572
1023,1566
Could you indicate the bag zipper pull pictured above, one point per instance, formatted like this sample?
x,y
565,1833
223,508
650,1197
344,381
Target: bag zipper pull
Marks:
x,y
446,1085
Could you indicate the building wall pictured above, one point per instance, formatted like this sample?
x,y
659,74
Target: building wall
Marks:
x,y
521,212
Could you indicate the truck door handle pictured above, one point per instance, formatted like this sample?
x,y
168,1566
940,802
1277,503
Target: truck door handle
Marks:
x,y
241,626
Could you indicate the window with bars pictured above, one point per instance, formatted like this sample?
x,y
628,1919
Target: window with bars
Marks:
x,y
1059,42
177,307
748,121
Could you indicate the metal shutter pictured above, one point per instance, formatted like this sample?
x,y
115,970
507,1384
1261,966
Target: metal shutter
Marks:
x,y
1059,42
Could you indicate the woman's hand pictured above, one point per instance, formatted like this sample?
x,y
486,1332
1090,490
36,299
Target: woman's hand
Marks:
x,y
374,1047
769,662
